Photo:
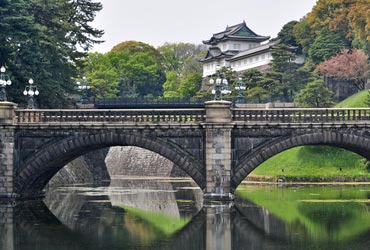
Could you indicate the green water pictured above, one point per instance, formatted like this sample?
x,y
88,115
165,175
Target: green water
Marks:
x,y
320,217
171,215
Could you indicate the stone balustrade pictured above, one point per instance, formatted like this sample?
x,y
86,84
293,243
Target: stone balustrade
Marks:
x,y
294,115
110,116
240,115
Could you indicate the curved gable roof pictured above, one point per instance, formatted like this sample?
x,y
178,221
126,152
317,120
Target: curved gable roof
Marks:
x,y
236,32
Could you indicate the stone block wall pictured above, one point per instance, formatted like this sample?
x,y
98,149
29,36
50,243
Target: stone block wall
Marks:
x,y
97,166
135,161
6,161
218,159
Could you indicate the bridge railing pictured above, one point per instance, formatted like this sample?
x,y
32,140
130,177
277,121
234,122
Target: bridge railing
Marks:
x,y
300,115
110,116
190,115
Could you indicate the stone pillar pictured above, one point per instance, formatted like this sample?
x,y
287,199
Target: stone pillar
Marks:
x,y
7,122
218,128
218,227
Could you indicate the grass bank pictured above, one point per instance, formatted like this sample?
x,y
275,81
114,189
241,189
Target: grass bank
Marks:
x,y
313,163
358,100
317,163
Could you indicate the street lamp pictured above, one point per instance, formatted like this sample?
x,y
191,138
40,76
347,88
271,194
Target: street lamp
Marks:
x,y
84,88
31,91
221,86
240,86
4,81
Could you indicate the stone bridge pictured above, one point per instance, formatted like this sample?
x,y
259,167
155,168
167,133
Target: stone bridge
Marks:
x,y
217,146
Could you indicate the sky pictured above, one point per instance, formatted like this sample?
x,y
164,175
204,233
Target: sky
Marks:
x,y
159,21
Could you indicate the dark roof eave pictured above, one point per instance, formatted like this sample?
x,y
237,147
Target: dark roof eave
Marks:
x,y
236,38
236,58
215,58
251,38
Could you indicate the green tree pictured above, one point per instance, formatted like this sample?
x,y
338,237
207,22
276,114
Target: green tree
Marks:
x,y
282,72
347,19
16,24
304,35
326,45
190,84
258,93
176,56
141,69
251,78
144,74
102,75
286,35
136,74
48,46
17,30
256,85
135,47
359,23
315,95
183,69
171,85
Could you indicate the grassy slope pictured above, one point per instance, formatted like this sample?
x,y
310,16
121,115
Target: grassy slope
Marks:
x,y
314,162
355,101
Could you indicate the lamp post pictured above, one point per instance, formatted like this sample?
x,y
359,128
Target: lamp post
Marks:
x,y
240,86
84,88
4,81
31,91
221,86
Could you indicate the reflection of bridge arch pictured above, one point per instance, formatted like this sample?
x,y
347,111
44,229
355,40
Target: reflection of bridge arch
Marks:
x,y
33,221
351,142
41,167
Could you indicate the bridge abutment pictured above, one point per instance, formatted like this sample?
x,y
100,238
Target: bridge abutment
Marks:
x,y
218,128
7,119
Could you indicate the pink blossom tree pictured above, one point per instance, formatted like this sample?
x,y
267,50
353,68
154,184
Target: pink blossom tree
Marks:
x,y
352,65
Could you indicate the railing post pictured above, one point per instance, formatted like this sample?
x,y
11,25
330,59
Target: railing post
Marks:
x,y
7,123
218,128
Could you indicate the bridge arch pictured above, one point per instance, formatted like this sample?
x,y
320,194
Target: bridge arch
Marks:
x,y
41,167
351,142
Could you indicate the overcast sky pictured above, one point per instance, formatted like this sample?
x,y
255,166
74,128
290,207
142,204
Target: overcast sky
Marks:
x,y
158,21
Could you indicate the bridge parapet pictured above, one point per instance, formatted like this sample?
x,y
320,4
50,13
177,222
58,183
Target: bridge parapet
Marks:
x,y
158,116
110,116
293,115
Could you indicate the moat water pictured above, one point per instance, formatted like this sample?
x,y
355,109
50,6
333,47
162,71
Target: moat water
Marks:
x,y
170,214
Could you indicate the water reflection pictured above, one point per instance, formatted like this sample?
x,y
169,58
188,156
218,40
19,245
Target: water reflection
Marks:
x,y
309,217
160,214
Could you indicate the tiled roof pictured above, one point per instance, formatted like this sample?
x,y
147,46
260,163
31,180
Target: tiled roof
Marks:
x,y
236,32
214,53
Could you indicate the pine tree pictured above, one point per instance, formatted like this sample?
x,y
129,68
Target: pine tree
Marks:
x,y
46,40
315,95
282,71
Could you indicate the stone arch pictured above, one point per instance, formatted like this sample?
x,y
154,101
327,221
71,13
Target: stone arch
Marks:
x,y
355,143
40,168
